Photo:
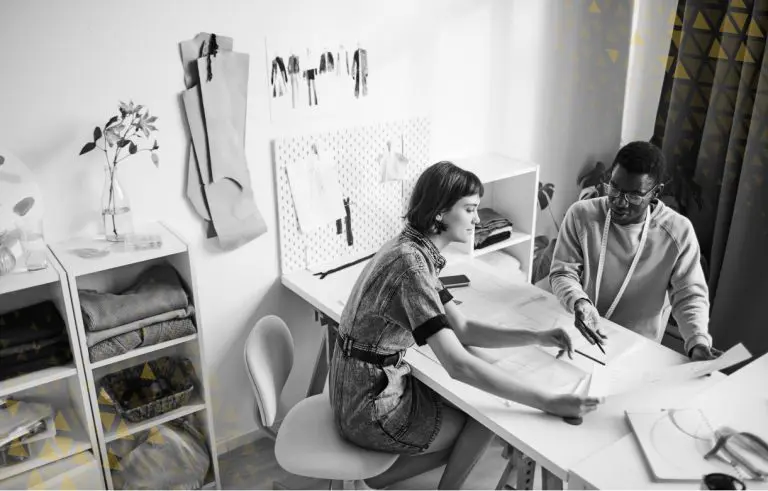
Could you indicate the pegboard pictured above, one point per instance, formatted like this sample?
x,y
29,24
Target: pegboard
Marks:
x,y
376,208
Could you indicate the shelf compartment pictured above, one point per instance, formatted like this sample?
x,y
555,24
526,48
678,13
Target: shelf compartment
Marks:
x,y
143,351
116,427
71,439
35,379
515,238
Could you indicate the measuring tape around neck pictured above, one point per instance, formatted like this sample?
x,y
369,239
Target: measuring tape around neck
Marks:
x,y
635,260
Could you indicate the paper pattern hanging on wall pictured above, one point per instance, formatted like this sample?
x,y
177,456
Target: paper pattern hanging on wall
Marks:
x,y
218,180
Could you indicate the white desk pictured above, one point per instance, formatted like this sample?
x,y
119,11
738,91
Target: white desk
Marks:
x,y
623,466
549,441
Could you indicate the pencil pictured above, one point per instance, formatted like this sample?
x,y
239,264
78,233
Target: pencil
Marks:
x,y
587,356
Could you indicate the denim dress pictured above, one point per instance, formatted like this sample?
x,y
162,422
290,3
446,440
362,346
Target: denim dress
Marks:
x,y
397,300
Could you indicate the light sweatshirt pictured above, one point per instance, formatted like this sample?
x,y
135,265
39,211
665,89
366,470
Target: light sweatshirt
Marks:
x,y
669,264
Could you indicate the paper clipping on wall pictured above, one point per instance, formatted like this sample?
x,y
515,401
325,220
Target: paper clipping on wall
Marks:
x,y
317,196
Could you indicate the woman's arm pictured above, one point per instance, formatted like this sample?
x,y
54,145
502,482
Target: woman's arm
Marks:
x,y
467,368
473,332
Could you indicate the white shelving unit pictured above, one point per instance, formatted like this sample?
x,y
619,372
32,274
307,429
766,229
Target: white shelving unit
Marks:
x,y
115,272
511,186
52,460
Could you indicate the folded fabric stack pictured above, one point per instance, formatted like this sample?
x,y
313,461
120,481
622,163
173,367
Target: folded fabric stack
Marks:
x,y
22,423
32,338
493,228
155,309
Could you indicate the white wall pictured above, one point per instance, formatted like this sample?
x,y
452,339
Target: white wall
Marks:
x,y
560,92
516,76
647,63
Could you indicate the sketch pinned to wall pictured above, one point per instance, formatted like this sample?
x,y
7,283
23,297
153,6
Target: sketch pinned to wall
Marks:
x,y
310,78
315,189
394,165
218,180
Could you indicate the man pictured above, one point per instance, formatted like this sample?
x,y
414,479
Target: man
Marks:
x,y
619,256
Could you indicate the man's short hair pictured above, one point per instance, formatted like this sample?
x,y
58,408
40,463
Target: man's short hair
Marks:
x,y
437,189
641,157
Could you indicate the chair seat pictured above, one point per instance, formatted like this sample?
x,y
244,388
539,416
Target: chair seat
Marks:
x,y
309,445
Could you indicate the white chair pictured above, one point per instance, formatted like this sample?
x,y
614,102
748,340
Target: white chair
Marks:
x,y
307,442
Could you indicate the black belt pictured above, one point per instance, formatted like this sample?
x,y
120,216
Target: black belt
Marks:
x,y
347,348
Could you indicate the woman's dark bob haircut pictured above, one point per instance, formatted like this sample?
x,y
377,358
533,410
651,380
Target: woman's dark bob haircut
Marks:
x,y
438,188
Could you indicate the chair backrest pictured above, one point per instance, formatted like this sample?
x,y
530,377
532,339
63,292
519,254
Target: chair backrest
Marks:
x,y
268,361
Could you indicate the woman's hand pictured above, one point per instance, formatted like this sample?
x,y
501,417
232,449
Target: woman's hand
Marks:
x,y
558,338
571,405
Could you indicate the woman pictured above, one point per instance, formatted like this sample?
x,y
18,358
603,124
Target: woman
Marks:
x,y
398,300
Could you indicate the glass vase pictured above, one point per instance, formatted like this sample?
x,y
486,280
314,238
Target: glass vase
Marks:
x,y
115,207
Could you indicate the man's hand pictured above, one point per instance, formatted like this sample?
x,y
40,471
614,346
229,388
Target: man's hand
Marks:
x,y
558,338
702,352
585,312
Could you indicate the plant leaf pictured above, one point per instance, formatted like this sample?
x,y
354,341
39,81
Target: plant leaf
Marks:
x,y
110,122
87,147
597,175
155,159
123,142
155,146
540,242
546,192
22,207
96,133
152,119
133,148
152,127
2,159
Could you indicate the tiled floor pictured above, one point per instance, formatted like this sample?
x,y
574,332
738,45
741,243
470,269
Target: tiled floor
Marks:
x,y
253,466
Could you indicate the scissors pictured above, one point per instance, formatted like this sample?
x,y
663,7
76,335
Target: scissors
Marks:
x,y
587,333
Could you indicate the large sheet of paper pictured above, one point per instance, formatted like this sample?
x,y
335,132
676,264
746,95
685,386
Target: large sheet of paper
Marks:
x,y
317,196
617,378
675,441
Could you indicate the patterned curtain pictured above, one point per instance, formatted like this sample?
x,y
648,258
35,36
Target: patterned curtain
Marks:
x,y
712,125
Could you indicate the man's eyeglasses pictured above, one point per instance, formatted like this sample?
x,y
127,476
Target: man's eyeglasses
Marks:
x,y
632,198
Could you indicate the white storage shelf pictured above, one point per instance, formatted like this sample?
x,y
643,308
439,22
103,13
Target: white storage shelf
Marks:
x,y
63,387
79,471
511,187
115,272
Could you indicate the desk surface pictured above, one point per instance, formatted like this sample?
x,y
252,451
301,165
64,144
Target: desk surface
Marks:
x,y
545,438
623,466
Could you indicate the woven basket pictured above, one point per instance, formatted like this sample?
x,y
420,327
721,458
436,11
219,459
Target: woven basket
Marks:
x,y
150,389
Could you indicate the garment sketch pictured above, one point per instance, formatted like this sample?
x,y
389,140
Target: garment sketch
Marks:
x,y
326,62
293,74
360,72
311,75
279,79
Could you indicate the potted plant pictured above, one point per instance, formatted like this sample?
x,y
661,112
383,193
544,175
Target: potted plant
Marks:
x,y
124,135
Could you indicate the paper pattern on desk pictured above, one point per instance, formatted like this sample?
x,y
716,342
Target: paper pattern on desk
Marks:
x,y
671,450
317,196
617,378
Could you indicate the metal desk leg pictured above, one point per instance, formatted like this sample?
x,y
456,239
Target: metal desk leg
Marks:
x,y
323,360
520,470
549,480
320,372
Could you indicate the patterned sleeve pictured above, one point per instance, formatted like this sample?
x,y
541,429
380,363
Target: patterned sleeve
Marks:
x,y
422,304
